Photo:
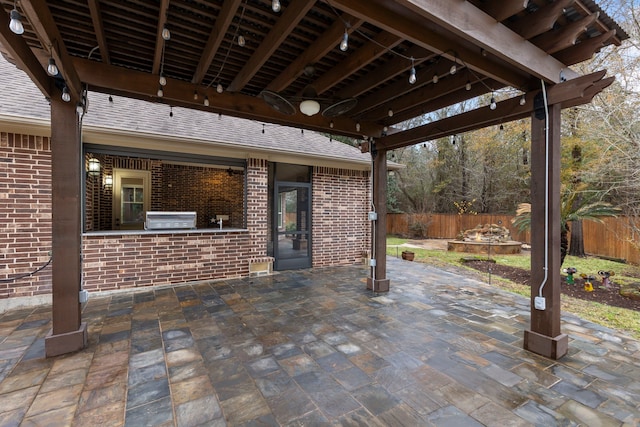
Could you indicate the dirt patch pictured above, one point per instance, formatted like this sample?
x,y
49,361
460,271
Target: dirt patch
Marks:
x,y
609,296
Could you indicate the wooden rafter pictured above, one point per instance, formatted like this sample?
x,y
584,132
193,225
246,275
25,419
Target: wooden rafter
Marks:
x,y
600,25
160,42
541,20
17,49
357,60
385,72
323,45
96,18
296,10
573,92
503,9
47,31
585,49
555,41
223,21
435,104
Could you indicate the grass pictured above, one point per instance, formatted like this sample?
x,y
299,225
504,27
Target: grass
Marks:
x,y
613,317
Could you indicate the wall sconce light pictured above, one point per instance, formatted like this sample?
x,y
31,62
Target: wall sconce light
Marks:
x,y
93,168
108,181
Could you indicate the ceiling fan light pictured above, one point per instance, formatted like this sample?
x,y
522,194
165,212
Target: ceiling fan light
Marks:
x,y
309,107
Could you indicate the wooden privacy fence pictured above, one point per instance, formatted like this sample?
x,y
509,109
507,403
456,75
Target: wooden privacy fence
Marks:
x,y
614,238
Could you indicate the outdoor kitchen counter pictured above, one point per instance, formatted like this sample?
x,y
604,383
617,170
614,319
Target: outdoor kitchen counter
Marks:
x,y
151,232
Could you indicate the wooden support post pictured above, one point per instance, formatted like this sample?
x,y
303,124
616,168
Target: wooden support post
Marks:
x,y
68,333
545,337
378,281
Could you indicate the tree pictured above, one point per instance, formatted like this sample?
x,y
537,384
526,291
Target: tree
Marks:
x,y
570,211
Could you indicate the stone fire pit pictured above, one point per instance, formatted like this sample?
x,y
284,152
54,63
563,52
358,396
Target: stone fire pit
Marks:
x,y
485,238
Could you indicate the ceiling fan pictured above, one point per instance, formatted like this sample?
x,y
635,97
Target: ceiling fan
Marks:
x,y
309,103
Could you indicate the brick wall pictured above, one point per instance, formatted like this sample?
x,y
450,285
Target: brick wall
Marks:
x,y
133,260
341,230
25,213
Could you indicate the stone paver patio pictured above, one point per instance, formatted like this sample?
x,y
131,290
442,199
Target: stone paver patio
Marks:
x,y
313,347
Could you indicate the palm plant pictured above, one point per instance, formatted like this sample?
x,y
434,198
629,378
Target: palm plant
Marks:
x,y
572,208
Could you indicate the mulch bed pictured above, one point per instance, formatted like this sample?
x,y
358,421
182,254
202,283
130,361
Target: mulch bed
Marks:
x,y
609,296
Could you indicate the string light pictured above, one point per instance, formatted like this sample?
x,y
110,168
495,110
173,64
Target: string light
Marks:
x,y
171,111
435,79
468,85
160,92
66,96
52,68
219,88
195,95
453,69
162,80
275,6
390,112
344,44
241,40
206,101
493,104
523,100
110,99
15,25
166,34
263,128
358,127
331,124
412,73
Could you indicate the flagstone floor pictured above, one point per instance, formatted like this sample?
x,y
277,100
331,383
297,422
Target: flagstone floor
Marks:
x,y
314,348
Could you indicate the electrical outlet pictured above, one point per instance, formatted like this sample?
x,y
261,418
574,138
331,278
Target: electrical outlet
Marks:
x,y
540,303
373,216
372,262
84,296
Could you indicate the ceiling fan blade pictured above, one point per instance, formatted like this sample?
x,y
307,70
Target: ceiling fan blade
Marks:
x,y
338,108
277,102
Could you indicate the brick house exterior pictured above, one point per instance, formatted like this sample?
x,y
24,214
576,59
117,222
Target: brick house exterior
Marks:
x,y
114,259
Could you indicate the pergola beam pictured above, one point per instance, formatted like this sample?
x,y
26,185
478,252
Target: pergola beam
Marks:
x,y
473,25
573,92
541,20
160,42
555,41
140,85
585,49
503,9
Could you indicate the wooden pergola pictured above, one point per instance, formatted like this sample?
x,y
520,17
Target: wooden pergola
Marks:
x,y
259,59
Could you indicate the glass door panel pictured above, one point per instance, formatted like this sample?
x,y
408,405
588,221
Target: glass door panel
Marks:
x,y
293,227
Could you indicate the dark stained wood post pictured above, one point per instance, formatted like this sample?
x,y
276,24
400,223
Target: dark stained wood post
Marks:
x,y
545,337
378,281
68,333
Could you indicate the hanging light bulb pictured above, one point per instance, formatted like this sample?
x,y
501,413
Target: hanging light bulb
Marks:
x,y
241,40
344,44
435,79
412,73
275,6
493,104
163,80
468,85
453,69
52,68
166,34
219,88
171,112
66,96
16,22
390,112
358,127
523,100
195,95
160,92
206,101
331,124
385,129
